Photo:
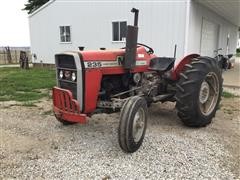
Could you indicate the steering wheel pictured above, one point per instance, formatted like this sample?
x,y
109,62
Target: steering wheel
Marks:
x,y
150,50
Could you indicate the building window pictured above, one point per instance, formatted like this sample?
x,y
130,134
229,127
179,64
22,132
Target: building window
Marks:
x,y
65,34
119,30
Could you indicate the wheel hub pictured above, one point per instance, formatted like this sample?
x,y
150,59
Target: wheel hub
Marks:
x,y
209,94
204,92
138,125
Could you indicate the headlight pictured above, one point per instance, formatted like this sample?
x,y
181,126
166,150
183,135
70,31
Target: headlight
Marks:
x,y
74,77
61,74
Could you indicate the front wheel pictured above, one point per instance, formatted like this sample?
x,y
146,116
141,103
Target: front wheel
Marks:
x,y
199,92
133,123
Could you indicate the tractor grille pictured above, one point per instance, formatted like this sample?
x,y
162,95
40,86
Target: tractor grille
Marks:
x,y
70,86
66,63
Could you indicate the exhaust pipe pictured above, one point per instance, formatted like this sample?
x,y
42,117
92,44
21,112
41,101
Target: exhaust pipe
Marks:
x,y
81,48
131,42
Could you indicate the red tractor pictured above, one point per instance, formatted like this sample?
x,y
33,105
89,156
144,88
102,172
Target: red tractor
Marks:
x,y
129,80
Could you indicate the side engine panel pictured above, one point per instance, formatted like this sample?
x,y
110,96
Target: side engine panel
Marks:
x,y
119,87
114,84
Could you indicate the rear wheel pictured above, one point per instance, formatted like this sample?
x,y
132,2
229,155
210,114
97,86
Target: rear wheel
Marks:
x,y
133,123
199,92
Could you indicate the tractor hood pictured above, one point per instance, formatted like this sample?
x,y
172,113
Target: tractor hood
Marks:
x,y
109,55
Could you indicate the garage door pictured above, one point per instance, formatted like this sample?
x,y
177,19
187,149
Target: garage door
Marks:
x,y
209,38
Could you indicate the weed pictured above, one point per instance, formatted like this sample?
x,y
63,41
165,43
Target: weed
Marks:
x,y
50,112
29,104
228,95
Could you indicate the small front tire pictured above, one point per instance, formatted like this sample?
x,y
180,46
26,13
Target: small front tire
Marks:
x,y
133,123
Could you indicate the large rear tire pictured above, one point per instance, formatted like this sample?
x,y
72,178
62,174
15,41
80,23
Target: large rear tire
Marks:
x,y
133,123
199,92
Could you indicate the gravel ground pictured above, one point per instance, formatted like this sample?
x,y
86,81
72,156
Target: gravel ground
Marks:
x,y
35,146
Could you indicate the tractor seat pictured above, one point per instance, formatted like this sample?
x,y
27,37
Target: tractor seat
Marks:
x,y
161,64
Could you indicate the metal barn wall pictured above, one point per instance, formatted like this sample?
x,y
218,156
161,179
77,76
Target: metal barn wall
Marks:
x,y
161,25
197,13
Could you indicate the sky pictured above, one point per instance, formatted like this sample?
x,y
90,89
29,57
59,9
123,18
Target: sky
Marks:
x,y
14,26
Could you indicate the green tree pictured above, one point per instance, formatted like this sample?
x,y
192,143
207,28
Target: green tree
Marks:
x,y
32,5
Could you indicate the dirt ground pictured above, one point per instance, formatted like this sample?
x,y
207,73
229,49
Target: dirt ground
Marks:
x,y
35,145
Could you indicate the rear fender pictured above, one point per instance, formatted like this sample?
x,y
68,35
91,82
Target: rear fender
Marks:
x,y
180,65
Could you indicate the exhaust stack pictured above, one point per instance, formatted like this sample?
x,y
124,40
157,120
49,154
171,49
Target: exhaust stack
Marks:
x,y
131,42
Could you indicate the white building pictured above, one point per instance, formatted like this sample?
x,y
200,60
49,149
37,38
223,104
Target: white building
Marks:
x,y
195,26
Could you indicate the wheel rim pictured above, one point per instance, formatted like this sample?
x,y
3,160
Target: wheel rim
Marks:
x,y
209,93
138,125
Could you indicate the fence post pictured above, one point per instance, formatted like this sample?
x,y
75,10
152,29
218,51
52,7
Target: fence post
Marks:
x,y
9,57
4,57
16,59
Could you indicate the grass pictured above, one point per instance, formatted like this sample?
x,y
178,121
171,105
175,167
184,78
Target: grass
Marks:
x,y
25,85
228,95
